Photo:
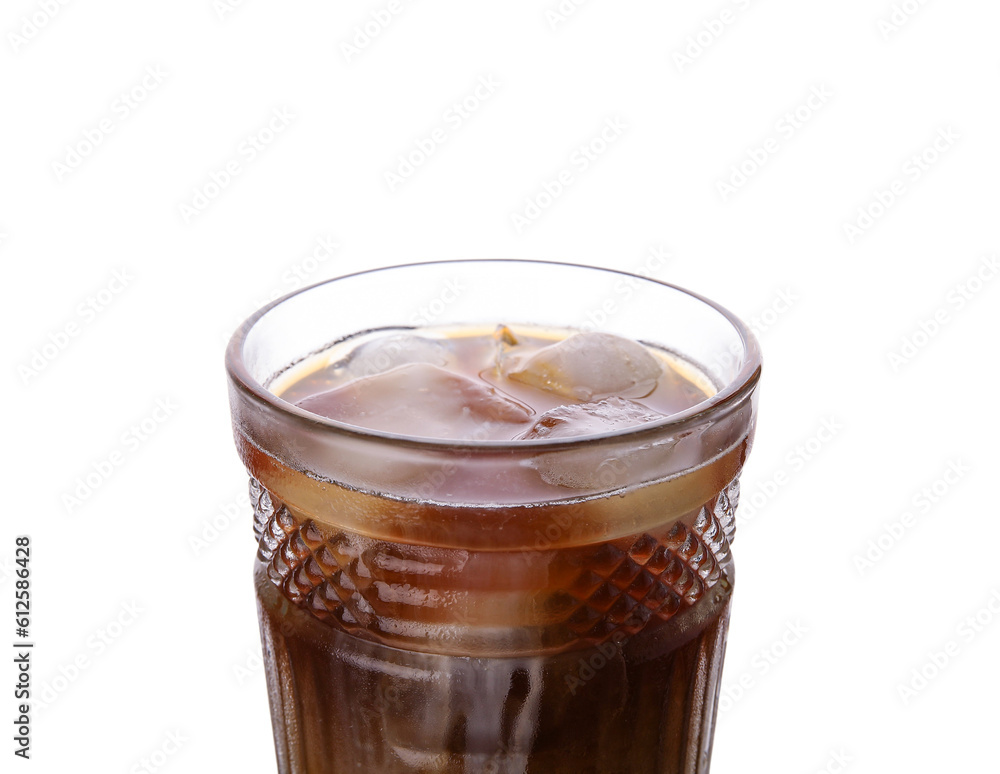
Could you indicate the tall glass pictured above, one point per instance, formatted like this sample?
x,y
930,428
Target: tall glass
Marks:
x,y
434,606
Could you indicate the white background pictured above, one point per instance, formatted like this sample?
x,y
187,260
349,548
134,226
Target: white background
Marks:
x,y
821,643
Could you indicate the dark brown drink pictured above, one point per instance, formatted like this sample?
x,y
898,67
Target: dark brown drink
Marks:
x,y
577,627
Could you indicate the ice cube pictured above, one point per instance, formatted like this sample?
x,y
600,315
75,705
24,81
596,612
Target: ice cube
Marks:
x,y
590,418
590,366
598,468
422,400
503,340
387,352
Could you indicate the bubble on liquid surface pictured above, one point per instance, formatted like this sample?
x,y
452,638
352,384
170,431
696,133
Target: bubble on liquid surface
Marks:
x,y
589,366
387,352
422,400
596,468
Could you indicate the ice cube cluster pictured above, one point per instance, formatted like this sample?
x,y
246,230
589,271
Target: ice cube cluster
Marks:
x,y
403,383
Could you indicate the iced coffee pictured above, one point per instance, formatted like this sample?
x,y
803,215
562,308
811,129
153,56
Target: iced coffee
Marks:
x,y
513,555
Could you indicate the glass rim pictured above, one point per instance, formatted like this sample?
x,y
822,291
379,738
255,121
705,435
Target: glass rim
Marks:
x,y
740,386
